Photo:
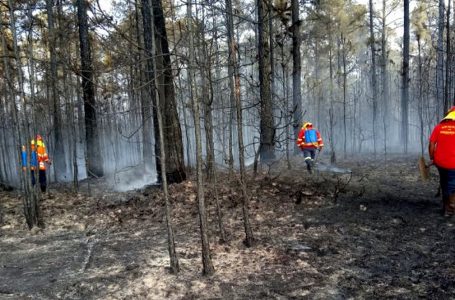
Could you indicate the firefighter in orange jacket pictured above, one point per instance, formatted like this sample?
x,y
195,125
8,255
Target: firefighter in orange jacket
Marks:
x,y
309,140
441,149
39,158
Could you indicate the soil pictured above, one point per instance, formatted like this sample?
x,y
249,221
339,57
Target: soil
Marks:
x,y
370,229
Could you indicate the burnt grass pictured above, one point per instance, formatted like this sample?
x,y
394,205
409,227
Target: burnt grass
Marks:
x,y
373,233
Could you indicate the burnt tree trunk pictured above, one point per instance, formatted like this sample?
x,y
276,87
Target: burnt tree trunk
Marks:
x,y
405,80
94,158
373,75
173,142
296,72
267,130
59,151
148,107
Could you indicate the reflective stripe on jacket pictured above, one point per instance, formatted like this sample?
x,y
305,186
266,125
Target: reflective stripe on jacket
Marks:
x,y
42,154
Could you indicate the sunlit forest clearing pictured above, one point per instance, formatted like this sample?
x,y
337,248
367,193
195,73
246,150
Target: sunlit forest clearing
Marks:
x,y
223,149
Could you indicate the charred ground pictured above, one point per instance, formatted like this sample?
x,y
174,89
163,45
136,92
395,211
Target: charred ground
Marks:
x,y
374,233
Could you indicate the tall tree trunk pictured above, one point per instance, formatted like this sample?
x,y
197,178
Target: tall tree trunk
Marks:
x,y
385,83
205,67
332,100
296,71
420,103
267,128
235,91
405,80
59,151
22,134
208,268
160,99
217,91
173,142
148,103
448,60
94,158
231,66
440,62
373,75
343,61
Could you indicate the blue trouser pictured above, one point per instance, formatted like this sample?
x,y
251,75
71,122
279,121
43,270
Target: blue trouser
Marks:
x,y
447,181
41,178
309,154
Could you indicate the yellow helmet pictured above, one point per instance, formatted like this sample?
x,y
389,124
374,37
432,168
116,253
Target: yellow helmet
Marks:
x,y
307,124
450,114
32,142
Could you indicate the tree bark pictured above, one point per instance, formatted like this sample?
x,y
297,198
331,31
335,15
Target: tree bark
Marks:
x,y
208,268
440,62
159,96
385,83
59,151
94,158
235,91
296,72
173,142
373,75
405,80
148,103
30,199
448,61
267,128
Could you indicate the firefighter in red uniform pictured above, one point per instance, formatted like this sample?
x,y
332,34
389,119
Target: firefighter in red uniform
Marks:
x,y
309,140
441,149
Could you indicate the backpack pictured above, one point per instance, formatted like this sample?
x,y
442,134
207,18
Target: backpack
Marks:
x,y
311,136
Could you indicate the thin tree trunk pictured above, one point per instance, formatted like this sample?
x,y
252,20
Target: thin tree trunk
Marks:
x,y
160,98
235,91
345,129
30,198
448,61
59,151
440,60
331,110
385,85
405,80
208,268
296,71
420,103
373,75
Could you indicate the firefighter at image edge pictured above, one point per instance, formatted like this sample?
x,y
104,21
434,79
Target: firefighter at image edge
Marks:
x,y
441,149
38,159
309,140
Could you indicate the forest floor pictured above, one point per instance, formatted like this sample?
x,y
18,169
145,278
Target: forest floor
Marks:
x,y
374,233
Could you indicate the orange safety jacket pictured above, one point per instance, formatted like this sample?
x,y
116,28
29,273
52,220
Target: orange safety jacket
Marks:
x,y
42,154
304,144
